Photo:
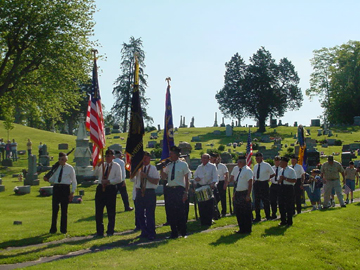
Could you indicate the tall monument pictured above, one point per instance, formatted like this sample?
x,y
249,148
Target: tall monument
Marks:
x,y
215,122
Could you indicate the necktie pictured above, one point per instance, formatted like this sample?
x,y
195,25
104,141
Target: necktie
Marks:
x,y
237,178
106,170
60,174
283,172
276,174
258,172
141,182
173,172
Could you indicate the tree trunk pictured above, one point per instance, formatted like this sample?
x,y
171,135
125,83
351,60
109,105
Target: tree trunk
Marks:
x,y
261,124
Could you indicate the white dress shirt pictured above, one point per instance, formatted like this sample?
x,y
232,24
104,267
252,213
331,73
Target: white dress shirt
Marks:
x,y
298,169
222,170
242,180
289,173
122,166
272,179
152,172
114,176
181,169
208,174
265,171
68,176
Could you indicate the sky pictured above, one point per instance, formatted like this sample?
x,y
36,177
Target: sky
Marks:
x,y
190,41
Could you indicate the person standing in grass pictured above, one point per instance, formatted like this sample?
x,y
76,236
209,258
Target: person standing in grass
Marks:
x,y
62,179
287,180
177,175
300,177
146,182
330,174
275,188
241,198
29,147
222,184
350,175
14,150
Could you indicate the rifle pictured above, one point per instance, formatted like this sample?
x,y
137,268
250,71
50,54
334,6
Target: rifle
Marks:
x,y
55,166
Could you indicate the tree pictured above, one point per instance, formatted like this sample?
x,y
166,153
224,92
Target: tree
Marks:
x,y
44,53
336,80
261,89
8,121
124,83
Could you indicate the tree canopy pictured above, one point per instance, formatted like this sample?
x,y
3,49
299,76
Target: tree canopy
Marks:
x,y
336,81
124,83
260,89
44,54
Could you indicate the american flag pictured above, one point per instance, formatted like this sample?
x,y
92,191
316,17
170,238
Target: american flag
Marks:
x,y
95,119
249,150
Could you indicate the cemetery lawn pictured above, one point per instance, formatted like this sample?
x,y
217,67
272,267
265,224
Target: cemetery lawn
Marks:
x,y
318,240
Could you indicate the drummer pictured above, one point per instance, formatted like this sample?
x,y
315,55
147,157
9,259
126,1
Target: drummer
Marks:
x,y
206,175
243,176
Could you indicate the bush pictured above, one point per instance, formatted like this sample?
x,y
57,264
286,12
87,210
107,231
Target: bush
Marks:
x,y
157,152
338,142
255,146
221,147
270,161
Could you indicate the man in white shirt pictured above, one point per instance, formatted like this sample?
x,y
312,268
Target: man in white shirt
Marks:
x,y
176,173
63,177
122,185
298,187
275,188
243,175
223,173
262,174
146,181
206,175
106,192
286,180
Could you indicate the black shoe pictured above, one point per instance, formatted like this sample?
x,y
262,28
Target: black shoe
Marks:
x,y
64,232
136,229
274,217
343,205
289,224
129,209
242,232
223,215
256,220
151,238
282,224
172,237
109,234
184,236
166,224
52,231
98,235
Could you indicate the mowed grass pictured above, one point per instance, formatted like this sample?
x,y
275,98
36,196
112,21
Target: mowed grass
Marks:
x,y
317,240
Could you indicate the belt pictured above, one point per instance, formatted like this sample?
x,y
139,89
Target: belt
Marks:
x,y
332,179
175,187
61,185
146,189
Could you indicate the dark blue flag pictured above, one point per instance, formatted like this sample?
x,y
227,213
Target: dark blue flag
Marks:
x,y
168,139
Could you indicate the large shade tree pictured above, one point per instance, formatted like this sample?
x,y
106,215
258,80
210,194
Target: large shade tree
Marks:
x,y
260,89
44,54
124,83
336,81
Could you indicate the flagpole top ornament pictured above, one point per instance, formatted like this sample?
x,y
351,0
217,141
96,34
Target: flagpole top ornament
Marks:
x,y
168,79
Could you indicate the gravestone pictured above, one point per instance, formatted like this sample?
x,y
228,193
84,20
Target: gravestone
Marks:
x,y
116,128
44,158
7,163
217,132
273,123
192,123
226,157
63,146
356,120
345,148
345,158
161,144
32,176
215,122
21,190
222,124
295,124
194,163
159,128
154,135
265,138
107,131
229,130
82,154
280,123
198,146
320,131
46,191
151,144
330,134
315,122
331,142
185,148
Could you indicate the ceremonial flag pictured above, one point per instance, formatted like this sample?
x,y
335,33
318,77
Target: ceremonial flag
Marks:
x,y
168,138
95,119
134,144
249,151
302,149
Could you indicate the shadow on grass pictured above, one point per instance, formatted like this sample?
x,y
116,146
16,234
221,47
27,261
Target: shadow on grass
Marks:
x,y
275,231
25,241
228,239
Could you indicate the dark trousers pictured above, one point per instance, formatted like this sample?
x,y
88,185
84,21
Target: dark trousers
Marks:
x,y
274,198
206,211
124,195
166,204
243,211
222,194
298,193
145,212
60,197
286,204
106,199
176,210
261,191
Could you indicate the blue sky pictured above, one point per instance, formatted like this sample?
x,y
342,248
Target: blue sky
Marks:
x,y
191,41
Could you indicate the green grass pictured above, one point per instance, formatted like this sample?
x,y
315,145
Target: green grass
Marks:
x,y
318,240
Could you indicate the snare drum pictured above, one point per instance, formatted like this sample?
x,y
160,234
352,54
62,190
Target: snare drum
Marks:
x,y
203,193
